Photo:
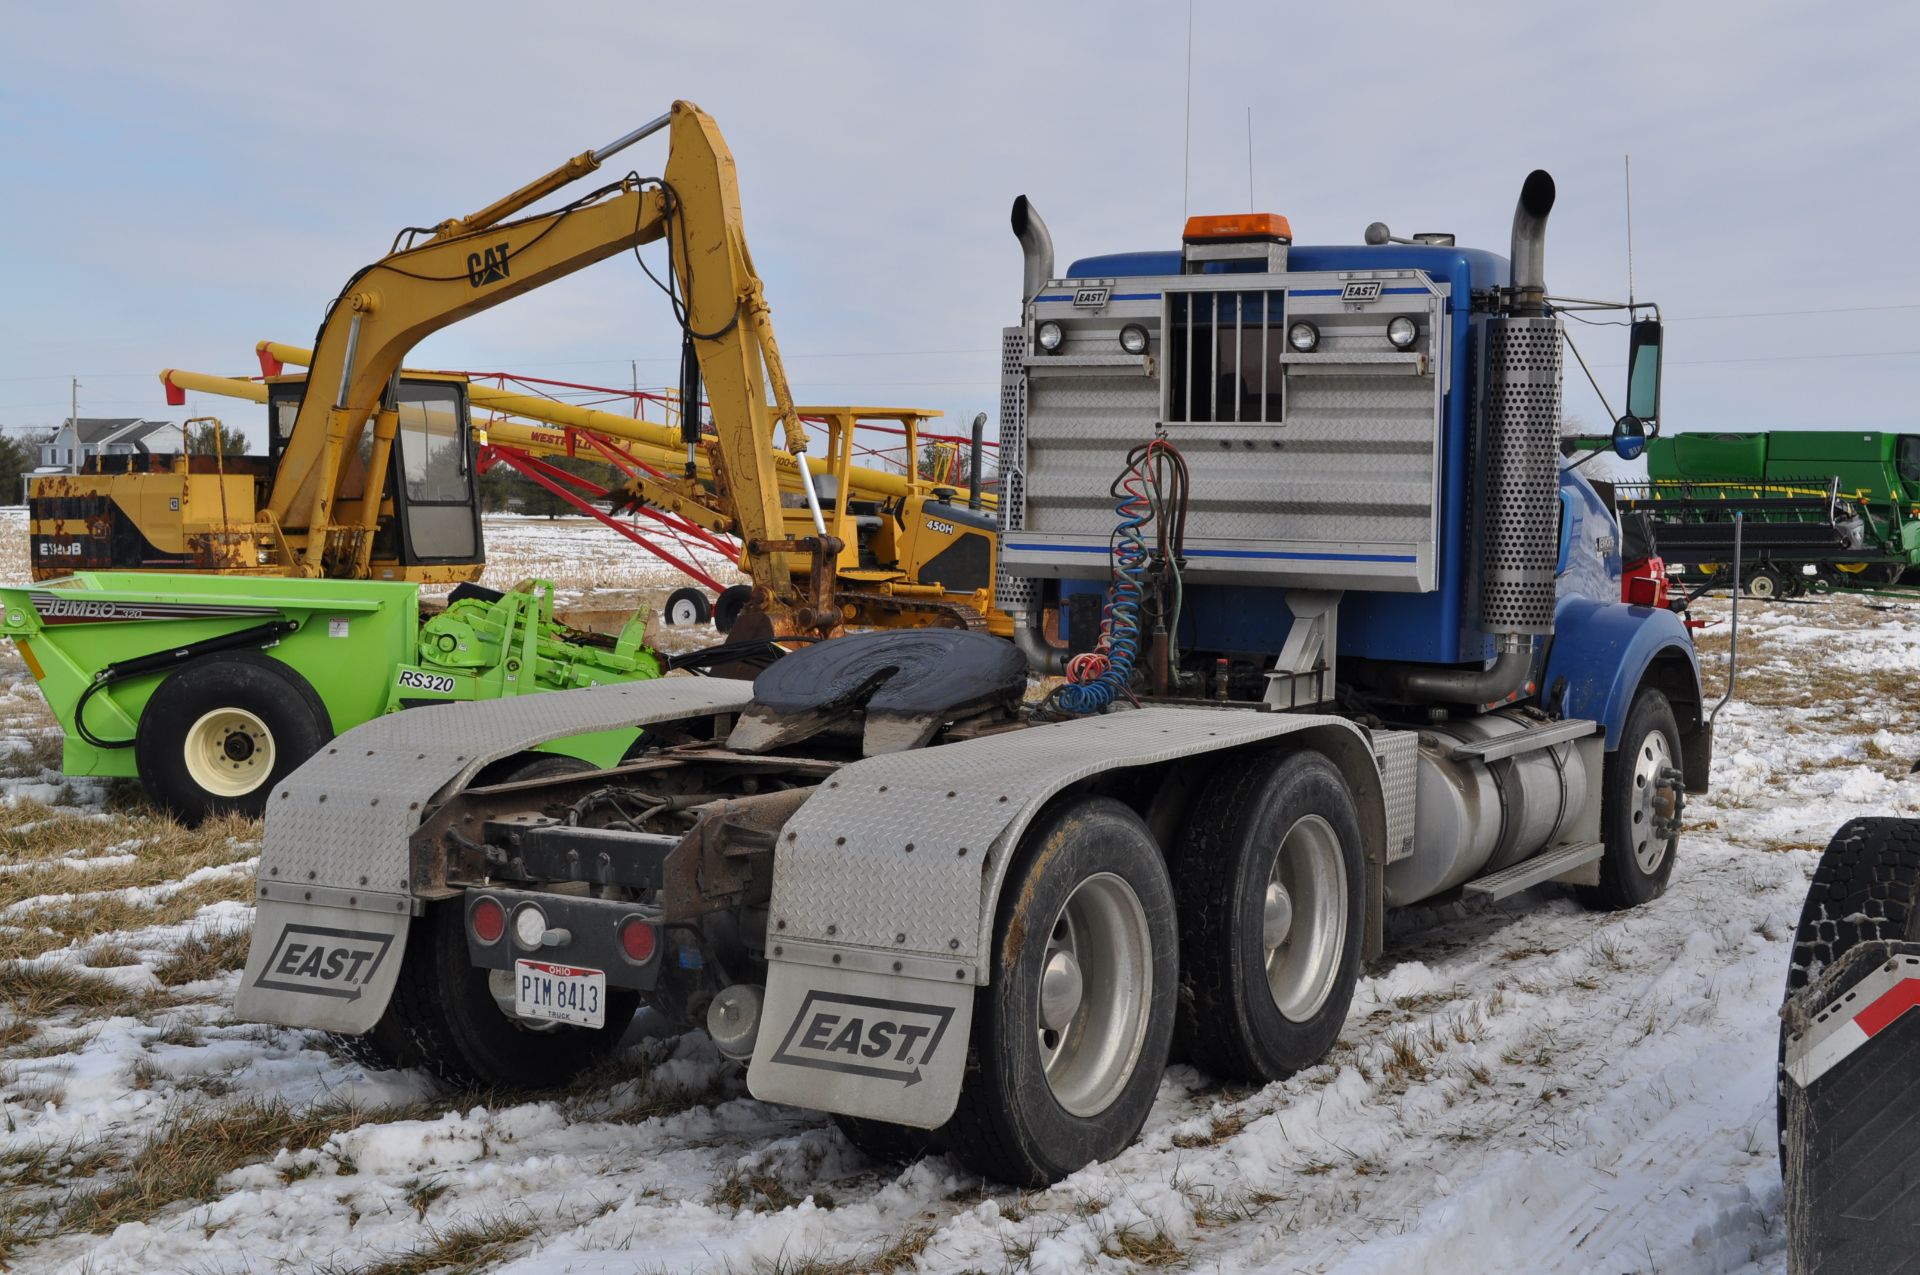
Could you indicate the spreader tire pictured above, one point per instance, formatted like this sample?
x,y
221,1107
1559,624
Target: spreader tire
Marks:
x,y
727,607
222,730
443,1017
1070,1034
687,607
1272,916
1638,861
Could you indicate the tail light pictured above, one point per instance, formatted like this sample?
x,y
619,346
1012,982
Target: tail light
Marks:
x,y
638,940
488,920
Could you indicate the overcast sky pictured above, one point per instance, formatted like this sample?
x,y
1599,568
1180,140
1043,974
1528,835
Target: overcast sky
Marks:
x,y
183,180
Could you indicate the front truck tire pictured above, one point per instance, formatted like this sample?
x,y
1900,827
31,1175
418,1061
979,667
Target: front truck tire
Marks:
x,y
1272,916
1635,791
1070,1034
443,1017
222,730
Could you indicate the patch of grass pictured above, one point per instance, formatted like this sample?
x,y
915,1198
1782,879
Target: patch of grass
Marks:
x,y
38,754
17,1033
901,1254
421,1194
38,993
1153,1249
1222,1127
196,1147
204,954
64,922
469,1247
753,1192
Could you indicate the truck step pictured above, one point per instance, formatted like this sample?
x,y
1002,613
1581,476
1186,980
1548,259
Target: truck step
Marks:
x,y
1531,872
1526,741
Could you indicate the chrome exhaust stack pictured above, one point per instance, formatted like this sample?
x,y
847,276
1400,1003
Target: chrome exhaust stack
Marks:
x,y
1037,247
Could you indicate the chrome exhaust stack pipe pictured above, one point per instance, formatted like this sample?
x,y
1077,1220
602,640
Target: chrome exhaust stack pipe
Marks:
x,y
1527,249
1037,246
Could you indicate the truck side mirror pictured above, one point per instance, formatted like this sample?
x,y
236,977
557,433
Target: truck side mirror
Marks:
x,y
1643,375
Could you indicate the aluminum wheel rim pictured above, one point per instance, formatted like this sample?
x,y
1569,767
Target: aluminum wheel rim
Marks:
x,y
229,752
1651,798
1304,918
1095,992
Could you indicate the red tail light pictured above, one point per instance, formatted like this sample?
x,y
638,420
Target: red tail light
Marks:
x,y
489,920
637,940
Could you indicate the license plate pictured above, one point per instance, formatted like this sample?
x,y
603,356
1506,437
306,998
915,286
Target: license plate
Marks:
x,y
560,993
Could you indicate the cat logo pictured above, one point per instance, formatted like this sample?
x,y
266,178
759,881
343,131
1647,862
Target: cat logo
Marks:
x,y
1361,290
323,961
864,1036
487,267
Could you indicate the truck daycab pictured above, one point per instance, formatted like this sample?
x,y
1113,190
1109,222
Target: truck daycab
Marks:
x,y
1341,635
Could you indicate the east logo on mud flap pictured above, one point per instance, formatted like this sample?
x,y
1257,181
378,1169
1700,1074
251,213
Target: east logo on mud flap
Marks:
x,y
321,961
864,1036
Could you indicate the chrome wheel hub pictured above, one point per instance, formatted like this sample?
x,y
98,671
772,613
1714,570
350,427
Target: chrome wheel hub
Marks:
x,y
1304,918
1096,987
1653,805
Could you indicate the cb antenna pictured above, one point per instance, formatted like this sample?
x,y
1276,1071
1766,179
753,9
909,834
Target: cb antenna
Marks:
x,y
1627,161
1186,153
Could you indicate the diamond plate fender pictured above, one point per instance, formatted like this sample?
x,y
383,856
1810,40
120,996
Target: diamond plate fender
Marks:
x,y
902,856
337,829
891,875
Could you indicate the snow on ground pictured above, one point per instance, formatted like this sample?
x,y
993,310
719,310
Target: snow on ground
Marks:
x,y
1520,1087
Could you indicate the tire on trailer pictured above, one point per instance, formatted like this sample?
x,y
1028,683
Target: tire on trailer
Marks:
x,y
1765,583
222,730
727,607
1272,916
1866,887
445,1018
686,607
1638,860
511,770
1070,1034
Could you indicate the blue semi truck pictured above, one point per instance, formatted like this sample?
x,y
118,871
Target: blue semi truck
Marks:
x,y
1334,630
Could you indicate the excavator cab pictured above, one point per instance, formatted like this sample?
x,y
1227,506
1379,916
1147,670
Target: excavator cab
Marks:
x,y
430,513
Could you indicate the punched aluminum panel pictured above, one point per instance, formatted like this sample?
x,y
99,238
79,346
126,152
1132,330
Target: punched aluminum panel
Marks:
x,y
1340,491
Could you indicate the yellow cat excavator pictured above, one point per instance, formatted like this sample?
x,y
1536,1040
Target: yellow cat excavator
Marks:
x,y
370,473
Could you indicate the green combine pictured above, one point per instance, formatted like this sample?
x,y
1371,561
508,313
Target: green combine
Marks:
x,y
211,688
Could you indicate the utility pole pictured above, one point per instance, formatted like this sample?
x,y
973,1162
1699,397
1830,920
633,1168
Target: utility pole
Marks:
x,y
73,422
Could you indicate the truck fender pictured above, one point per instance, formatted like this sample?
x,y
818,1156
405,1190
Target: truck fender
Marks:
x,y
337,878
887,884
1603,652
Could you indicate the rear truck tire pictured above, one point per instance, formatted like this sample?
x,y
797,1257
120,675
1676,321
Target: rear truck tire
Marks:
x,y
1866,887
222,730
511,770
443,1017
883,1142
1272,916
1634,794
1765,583
727,607
687,607
1070,1034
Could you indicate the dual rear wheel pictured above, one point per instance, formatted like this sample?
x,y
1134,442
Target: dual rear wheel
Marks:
x,y
1099,964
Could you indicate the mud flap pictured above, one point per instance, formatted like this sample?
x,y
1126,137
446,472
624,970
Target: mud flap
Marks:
x,y
884,1047
326,967
1851,1114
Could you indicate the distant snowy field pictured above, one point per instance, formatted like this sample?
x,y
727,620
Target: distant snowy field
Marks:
x,y
1524,1087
